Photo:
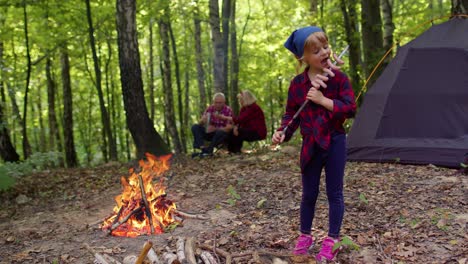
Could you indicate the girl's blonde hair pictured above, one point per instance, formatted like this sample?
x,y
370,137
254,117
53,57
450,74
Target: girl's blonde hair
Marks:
x,y
311,43
247,97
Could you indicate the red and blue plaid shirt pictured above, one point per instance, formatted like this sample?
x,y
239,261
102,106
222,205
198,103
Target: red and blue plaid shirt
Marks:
x,y
216,122
317,123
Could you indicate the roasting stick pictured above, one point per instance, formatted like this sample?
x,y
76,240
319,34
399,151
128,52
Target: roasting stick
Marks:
x,y
306,101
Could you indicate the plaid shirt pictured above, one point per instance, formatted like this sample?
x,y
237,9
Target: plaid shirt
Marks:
x,y
216,122
317,123
252,117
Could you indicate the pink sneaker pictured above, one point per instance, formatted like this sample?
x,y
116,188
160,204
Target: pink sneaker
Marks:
x,y
326,252
304,243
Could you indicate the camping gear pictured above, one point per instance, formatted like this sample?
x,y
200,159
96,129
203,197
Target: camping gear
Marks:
x,y
417,110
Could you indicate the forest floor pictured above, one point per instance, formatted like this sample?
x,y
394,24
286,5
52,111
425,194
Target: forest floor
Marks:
x,y
394,213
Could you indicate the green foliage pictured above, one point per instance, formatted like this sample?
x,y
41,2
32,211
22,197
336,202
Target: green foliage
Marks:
x,y
234,196
6,181
346,242
37,162
363,198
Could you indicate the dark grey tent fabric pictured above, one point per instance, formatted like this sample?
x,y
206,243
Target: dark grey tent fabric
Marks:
x,y
417,110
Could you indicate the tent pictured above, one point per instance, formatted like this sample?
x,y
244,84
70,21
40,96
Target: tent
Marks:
x,y
417,110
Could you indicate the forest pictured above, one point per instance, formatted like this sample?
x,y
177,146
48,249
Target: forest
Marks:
x,y
88,87
62,85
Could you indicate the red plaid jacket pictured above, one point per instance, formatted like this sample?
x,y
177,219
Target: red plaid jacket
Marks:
x,y
317,123
252,117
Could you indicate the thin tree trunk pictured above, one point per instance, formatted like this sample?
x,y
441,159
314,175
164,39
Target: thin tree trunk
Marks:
x,y
55,142
179,89
218,48
42,133
371,36
234,60
70,153
199,61
140,125
151,69
389,27
352,37
167,86
225,24
104,114
7,150
26,145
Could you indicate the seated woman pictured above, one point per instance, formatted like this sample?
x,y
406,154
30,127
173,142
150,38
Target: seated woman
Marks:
x,y
249,125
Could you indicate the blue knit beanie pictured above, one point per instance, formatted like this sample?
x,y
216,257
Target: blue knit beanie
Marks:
x,y
295,42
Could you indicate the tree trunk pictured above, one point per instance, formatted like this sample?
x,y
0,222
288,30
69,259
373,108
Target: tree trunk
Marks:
x,y
459,7
55,143
167,85
104,113
352,37
179,89
389,27
371,36
218,48
225,24
199,61
140,125
70,153
42,133
7,150
151,69
234,61
26,145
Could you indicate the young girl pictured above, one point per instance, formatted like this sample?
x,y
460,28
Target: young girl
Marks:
x,y
331,101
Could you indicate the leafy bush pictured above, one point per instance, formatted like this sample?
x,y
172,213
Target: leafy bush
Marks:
x,y
37,162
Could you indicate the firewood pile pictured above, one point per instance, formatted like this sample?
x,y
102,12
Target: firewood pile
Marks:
x,y
189,251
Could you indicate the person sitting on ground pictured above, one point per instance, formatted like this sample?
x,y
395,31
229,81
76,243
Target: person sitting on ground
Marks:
x,y
213,126
249,125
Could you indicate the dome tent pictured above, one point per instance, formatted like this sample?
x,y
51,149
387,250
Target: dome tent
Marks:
x,y
417,110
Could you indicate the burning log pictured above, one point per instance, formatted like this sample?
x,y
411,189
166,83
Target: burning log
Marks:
x,y
153,257
190,251
208,258
180,249
116,225
142,208
147,208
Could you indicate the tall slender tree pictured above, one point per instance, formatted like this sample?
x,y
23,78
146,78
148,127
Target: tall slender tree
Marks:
x,y
7,150
140,125
199,59
234,60
218,48
348,9
97,70
167,81
26,145
71,159
371,36
389,27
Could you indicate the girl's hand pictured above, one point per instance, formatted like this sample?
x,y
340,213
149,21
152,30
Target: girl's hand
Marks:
x,y
278,137
315,95
319,81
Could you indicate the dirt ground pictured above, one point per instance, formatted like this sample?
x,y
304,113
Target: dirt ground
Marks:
x,y
394,213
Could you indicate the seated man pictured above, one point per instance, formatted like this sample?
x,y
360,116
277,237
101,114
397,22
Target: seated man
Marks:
x,y
211,127
249,125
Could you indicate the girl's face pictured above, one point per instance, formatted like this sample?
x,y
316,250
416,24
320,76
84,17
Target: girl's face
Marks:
x,y
316,57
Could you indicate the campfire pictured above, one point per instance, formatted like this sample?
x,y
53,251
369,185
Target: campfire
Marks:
x,y
142,208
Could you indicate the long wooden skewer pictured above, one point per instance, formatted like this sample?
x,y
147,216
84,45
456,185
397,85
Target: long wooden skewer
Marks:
x,y
307,101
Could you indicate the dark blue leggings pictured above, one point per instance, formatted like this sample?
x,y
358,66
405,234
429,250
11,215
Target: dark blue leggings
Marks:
x,y
333,160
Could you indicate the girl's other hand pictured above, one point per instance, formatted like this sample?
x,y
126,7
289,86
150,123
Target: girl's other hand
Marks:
x,y
278,137
315,95
319,81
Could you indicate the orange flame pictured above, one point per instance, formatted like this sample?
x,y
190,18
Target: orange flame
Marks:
x,y
132,202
